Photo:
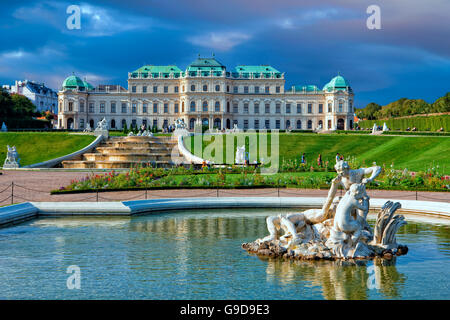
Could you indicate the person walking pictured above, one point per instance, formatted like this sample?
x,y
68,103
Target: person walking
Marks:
x,y
338,157
303,160
319,160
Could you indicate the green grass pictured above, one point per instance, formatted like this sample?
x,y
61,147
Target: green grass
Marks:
x,y
34,147
413,153
422,123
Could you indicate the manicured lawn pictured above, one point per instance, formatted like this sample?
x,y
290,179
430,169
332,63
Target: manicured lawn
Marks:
x,y
413,153
34,147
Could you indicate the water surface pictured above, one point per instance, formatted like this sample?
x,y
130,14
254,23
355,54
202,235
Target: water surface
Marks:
x,y
197,255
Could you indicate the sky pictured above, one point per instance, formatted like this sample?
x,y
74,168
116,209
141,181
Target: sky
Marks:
x,y
310,41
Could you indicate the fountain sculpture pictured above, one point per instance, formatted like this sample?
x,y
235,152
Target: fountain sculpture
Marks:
x,y
12,160
339,230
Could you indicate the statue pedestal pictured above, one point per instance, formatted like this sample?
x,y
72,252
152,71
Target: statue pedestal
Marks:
x,y
103,133
13,165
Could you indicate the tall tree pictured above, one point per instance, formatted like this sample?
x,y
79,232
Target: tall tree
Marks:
x,y
6,104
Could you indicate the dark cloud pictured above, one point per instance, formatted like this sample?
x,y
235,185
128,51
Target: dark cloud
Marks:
x,y
311,41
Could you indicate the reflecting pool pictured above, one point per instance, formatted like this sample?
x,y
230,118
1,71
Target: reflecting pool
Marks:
x,y
198,255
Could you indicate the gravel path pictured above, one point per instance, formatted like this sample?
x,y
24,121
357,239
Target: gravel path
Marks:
x,y
36,186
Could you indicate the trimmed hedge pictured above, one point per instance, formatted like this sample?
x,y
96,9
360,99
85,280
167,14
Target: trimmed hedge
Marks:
x,y
20,123
422,123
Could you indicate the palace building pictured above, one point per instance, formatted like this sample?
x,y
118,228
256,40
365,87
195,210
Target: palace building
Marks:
x,y
253,97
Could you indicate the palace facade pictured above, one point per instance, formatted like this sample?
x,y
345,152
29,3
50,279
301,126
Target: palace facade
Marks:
x,y
253,97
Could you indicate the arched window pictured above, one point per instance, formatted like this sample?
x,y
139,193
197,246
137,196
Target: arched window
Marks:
x,y
321,123
299,124
228,106
205,122
205,106
288,124
217,123
91,123
309,124
124,123
228,124
191,123
217,106
217,87
192,106
205,87
113,124
193,87
182,106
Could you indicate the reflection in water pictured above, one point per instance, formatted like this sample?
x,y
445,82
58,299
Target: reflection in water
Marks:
x,y
338,279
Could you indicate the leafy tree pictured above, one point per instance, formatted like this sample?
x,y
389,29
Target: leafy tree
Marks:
x,y
125,128
442,104
22,106
6,104
369,112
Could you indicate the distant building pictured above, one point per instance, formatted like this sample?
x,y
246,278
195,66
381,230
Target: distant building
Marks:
x,y
44,98
252,97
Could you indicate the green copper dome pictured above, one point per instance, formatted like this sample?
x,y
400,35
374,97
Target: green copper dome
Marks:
x,y
337,83
73,82
88,85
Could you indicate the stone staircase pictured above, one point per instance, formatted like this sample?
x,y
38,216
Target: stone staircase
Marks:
x,y
129,152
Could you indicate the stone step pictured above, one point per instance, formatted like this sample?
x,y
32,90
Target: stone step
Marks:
x,y
143,157
140,150
134,144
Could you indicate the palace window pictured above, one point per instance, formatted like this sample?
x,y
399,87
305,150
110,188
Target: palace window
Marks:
x,y
235,108
166,89
155,89
228,88
329,107
81,106
133,88
309,124
245,89
350,106
155,123
81,123
340,106
235,89
165,123
102,107
205,106
205,87
256,89
144,89
246,108
256,124
277,124
267,108
277,108
70,105
124,123
133,107
309,107
192,109
91,107
288,124
288,108
217,87
299,108
133,123
144,108
228,106
217,106
166,108
193,87
299,124
267,124
320,108
256,108
245,124
176,108
175,89
155,108
113,107
277,89
267,89
124,107
144,123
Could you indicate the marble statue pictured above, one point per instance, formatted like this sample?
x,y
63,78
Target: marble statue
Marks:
x,y
338,230
4,128
240,155
88,128
180,128
12,158
102,128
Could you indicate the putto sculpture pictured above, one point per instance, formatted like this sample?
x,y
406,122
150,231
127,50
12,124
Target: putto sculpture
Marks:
x,y
12,160
240,155
339,230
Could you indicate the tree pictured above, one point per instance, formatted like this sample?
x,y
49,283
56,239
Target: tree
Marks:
x,y
22,106
6,103
442,104
369,112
